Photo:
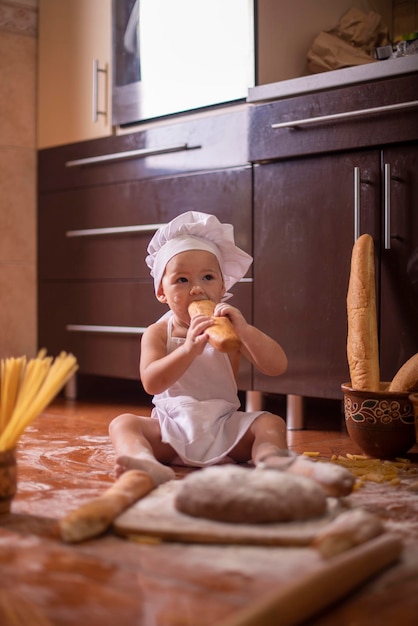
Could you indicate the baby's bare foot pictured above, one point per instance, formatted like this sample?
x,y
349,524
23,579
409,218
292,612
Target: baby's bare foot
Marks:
x,y
276,458
335,480
159,473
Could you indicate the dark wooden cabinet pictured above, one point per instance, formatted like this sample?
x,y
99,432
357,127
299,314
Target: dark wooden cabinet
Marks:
x,y
303,236
297,197
104,230
308,210
368,114
399,258
95,222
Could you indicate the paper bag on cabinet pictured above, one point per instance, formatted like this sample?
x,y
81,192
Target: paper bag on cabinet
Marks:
x,y
351,42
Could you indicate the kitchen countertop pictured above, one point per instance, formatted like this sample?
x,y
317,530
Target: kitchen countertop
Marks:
x,y
334,78
65,459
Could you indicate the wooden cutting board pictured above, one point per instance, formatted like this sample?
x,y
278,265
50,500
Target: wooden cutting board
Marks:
x,y
156,516
301,594
301,598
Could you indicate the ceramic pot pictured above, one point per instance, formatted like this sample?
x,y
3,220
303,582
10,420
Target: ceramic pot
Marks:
x,y
413,398
8,479
381,422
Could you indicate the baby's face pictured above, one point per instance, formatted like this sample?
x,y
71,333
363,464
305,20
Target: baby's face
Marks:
x,y
191,275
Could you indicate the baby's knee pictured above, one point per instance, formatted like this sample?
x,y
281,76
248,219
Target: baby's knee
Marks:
x,y
270,421
121,421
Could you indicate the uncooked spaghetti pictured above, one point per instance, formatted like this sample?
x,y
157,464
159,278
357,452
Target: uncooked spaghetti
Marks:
x,y
27,388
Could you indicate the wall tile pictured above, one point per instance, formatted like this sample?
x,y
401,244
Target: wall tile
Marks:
x,y
19,17
17,205
18,306
17,310
17,90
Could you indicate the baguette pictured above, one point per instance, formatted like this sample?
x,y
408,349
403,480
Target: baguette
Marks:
x,y
350,529
95,517
406,379
222,335
362,340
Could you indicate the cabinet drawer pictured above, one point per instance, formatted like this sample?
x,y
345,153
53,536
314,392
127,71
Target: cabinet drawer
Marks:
x,y
101,323
90,233
214,141
91,306
116,356
107,304
392,119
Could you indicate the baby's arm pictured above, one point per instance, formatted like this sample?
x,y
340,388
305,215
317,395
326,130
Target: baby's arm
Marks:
x,y
159,370
263,351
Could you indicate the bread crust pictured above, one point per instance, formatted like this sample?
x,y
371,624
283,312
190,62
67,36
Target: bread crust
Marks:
x,y
94,517
406,379
222,335
242,495
350,529
362,338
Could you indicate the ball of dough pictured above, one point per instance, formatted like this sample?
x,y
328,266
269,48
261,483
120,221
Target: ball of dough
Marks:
x,y
247,496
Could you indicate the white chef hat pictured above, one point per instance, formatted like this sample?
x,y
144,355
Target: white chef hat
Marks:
x,y
197,231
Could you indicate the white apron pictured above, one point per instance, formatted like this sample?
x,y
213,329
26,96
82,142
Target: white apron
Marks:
x,y
199,414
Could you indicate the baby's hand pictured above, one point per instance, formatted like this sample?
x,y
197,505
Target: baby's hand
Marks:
x,y
196,338
233,314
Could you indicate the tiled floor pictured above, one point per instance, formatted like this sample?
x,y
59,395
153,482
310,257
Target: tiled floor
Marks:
x,y
65,459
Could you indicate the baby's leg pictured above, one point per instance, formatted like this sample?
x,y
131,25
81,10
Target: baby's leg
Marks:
x,y
269,446
137,443
270,451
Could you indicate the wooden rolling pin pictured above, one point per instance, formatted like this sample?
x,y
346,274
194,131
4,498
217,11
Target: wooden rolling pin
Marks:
x,y
95,517
222,335
297,601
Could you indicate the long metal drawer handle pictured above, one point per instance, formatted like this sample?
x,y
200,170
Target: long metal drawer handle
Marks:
x,y
346,115
113,230
141,153
95,91
118,330
356,203
387,206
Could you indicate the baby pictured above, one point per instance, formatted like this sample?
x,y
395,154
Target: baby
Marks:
x,y
196,420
